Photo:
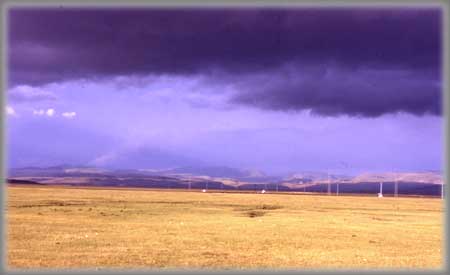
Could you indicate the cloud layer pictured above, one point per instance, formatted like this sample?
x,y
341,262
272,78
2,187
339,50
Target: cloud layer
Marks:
x,y
329,91
26,93
342,61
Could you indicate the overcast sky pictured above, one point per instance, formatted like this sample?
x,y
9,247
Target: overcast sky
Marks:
x,y
279,90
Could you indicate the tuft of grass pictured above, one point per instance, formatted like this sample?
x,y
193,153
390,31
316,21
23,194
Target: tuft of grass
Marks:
x,y
255,213
270,207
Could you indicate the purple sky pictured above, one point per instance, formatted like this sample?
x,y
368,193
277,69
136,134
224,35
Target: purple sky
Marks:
x,y
279,90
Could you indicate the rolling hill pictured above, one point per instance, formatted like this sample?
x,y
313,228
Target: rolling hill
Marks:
x,y
218,177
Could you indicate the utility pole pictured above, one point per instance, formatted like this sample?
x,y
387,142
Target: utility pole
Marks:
x,y
329,186
396,188
342,165
396,183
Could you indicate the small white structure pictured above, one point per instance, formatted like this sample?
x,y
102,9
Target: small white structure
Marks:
x,y
263,191
204,190
380,195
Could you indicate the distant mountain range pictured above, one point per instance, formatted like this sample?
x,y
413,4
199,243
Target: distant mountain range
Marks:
x,y
221,177
423,177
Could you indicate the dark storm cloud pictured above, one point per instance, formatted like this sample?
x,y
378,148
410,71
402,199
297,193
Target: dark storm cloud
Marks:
x,y
49,45
333,92
75,43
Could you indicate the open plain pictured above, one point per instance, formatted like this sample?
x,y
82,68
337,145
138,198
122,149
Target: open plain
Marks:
x,y
64,227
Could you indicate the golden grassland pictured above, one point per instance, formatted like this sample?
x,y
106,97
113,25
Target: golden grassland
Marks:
x,y
55,227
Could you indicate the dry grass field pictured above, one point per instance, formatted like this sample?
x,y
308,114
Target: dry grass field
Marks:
x,y
56,227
